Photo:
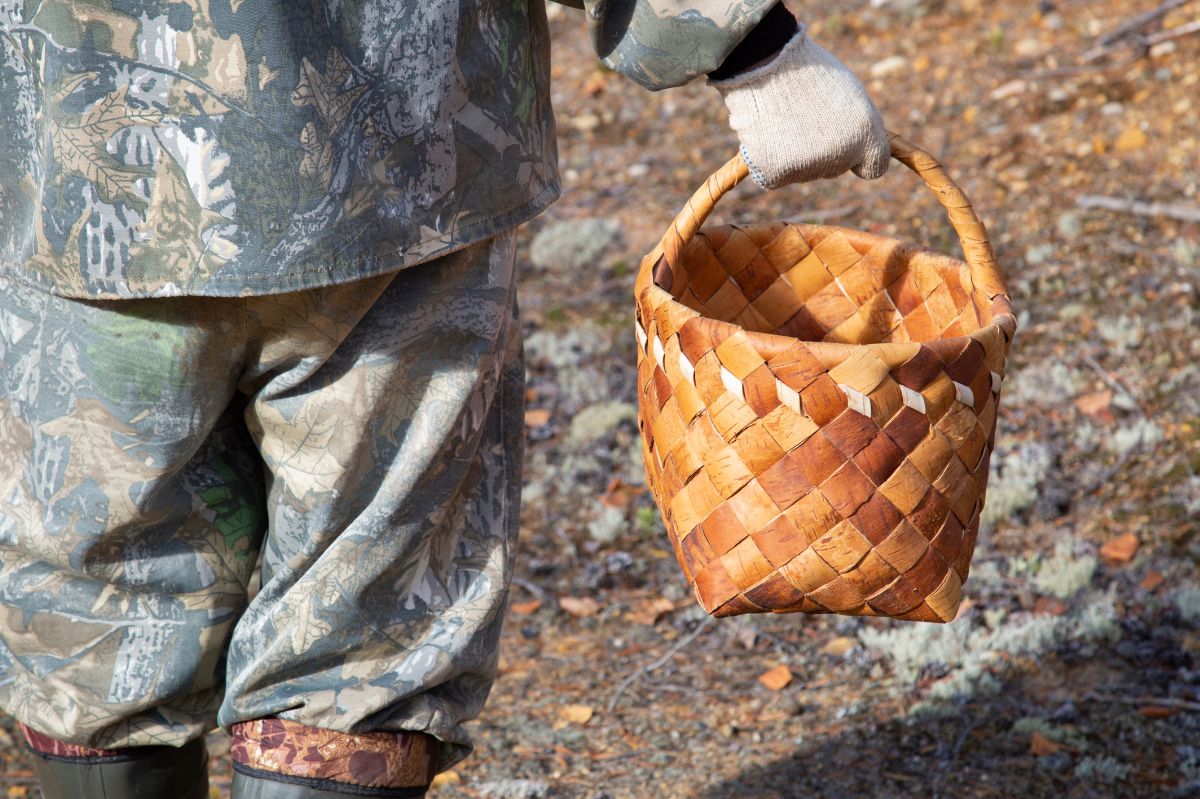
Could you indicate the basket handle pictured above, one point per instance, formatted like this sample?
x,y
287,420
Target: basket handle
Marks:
x,y
977,248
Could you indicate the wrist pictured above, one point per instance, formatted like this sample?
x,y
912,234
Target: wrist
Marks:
x,y
777,27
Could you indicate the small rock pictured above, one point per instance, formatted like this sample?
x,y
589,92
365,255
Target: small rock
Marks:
x,y
1010,89
637,170
573,245
1053,21
1132,138
515,789
1112,109
888,66
1069,226
1163,74
1038,254
585,122
1028,48
1162,48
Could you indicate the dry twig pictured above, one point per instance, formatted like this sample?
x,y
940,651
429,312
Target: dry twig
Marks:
x,y
1136,24
1177,211
649,667
1150,701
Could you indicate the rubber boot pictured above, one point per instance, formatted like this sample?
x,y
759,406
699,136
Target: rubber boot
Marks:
x,y
154,772
248,787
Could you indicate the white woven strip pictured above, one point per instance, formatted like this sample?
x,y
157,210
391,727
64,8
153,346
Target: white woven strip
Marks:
x,y
858,401
788,396
659,353
996,381
641,335
732,384
964,394
686,367
913,399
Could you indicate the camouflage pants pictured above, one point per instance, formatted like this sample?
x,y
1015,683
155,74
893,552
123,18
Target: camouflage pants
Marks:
x,y
366,438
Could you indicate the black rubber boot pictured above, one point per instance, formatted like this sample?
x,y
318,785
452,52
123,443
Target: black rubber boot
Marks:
x,y
246,786
152,772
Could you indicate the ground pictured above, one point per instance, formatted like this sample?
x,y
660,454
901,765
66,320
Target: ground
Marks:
x,y
1074,667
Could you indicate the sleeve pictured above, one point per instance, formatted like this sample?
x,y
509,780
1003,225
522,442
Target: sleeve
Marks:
x,y
664,43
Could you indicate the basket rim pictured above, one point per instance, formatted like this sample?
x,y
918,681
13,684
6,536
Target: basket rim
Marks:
x,y
653,296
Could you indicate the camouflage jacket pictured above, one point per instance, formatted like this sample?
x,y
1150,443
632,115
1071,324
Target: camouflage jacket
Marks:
x,y
233,147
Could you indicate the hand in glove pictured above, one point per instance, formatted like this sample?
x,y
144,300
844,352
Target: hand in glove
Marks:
x,y
803,115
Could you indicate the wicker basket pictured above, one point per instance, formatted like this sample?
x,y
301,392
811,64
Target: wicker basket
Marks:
x,y
818,407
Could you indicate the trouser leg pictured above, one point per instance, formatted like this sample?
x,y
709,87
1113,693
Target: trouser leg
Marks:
x,y
394,452
130,512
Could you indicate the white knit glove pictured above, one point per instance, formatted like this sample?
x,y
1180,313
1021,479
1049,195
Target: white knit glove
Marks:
x,y
803,115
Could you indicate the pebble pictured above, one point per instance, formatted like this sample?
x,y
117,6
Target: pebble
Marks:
x,y
1010,89
888,66
1053,21
1038,254
1112,109
1028,48
1069,226
1162,49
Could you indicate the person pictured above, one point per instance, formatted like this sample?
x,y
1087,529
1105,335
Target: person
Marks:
x,y
258,295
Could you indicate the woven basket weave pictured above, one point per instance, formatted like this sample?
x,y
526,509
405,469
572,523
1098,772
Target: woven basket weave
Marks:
x,y
818,407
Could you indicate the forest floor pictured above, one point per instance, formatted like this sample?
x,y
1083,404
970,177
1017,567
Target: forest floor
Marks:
x,y
1073,669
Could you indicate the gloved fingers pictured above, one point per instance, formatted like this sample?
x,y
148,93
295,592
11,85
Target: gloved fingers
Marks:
x,y
805,116
877,154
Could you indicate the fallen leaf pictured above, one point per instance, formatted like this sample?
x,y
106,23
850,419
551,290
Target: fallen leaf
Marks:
x,y
1040,745
777,678
579,606
537,417
525,608
576,714
1120,550
1049,606
1096,405
619,493
1132,138
1152,580
446,778
839,646
595,85
649,612
1157,711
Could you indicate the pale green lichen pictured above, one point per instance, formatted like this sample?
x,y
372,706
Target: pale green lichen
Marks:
x,y
1102,769
599,421
1016,476
973,651
1187,602
1137,435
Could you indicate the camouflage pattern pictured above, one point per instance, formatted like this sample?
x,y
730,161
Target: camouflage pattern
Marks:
x,y
664,43
154,148
223,147
365,437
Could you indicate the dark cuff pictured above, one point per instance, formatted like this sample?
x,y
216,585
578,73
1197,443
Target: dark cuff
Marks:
x,y
767,38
